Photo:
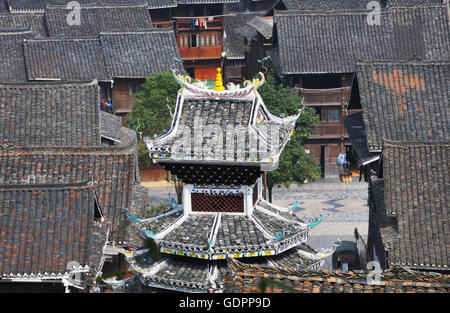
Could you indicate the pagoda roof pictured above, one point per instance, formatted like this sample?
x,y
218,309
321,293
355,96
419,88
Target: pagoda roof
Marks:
x,y
191,275
232,126
269,230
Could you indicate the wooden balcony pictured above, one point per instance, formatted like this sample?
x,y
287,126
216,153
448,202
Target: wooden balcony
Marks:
x,y
324,97
200,53
327,131
162,24
185,24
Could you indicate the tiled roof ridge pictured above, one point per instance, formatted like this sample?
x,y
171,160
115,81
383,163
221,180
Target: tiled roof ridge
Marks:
x,y
61,39
15,32
333,12
47,84
22,14
409,5
41,186
70,150
140,31
414,144
415,62
100,6
394,273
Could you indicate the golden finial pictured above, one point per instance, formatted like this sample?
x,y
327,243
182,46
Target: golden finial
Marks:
x,y
219,84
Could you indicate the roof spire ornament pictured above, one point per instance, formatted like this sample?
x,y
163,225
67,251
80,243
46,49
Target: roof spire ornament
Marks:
x,y
219,84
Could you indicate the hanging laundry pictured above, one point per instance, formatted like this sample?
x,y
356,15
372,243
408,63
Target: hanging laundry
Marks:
x,y
196,22
205,23
210,19
193,23
200,21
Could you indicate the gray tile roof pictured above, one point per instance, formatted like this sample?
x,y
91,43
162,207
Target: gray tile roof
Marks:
x,y
245,278
192,235
95,19
404,101
234,27
111,169
49,114
51,134
324,4
26,5
139,54
44,227
263,26
416,191
196,275
413,2
235,233
3,6
40,5
111,128
64,59
12,65
182,2
232,117
333,41
26,21
159,4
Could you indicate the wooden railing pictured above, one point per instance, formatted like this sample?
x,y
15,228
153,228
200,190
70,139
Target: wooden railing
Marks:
x,y
162,24
327,130
324,97
185,24
200,53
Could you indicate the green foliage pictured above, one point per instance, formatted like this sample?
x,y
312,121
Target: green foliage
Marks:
x,y
151,113
143,157
266,282
295,164
153,248
156,209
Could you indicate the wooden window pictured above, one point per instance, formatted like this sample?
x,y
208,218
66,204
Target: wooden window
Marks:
x,y
217,203
330,115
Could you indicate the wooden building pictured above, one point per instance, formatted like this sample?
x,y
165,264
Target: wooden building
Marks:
x,y
317,51
404,139
67,173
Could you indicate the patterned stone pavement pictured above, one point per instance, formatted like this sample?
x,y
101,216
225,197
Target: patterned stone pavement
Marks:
x,y
343,207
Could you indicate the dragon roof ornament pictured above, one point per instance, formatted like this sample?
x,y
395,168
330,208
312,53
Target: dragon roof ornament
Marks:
x,y
200,89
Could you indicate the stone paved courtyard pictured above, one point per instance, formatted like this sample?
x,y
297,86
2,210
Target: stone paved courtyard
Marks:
x,y
343,207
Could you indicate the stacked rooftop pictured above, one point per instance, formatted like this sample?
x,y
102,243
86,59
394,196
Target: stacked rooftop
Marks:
x,y
62,186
